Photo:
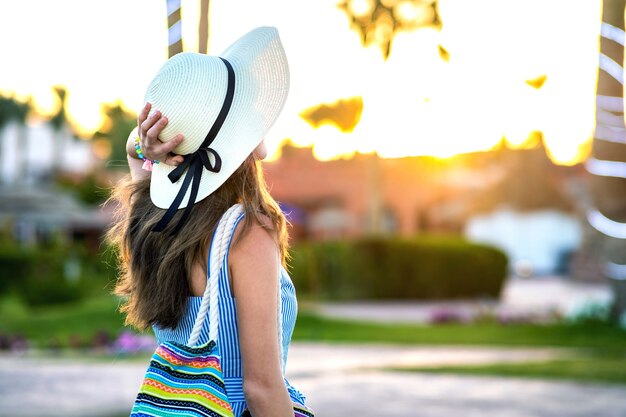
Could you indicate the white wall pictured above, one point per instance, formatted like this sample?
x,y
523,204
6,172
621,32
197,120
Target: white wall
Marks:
x,y
77,155
535,238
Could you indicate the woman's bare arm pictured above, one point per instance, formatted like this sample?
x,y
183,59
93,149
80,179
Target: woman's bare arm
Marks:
x,y
255,268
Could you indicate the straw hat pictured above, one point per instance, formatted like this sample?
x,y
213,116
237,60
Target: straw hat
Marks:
x,y
191,89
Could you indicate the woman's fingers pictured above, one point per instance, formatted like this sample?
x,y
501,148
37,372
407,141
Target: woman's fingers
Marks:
x,y
152,134
145,121
170,145
173,159
163,150
143,114
150,143
150,127
147,127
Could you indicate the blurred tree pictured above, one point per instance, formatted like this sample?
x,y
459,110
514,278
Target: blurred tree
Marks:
x,y
17,111
90,189
118,122
203,27
174,28
61,126
22,110
537,82
7,110
532,181
344,114
378,21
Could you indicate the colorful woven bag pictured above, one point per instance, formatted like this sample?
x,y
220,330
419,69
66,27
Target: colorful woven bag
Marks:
x,y
187,379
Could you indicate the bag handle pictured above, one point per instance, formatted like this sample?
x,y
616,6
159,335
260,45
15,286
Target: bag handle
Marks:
x,y
210,299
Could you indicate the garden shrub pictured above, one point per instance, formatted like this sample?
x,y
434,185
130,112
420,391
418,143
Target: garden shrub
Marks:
x,y
39,275
398,268
15,264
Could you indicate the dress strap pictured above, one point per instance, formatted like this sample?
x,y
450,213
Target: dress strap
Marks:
x,y
232,233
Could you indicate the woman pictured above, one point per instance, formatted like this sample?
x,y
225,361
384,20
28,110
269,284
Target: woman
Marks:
x,y
195,153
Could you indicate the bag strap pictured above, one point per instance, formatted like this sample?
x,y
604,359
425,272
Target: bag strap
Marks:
x,y
210,299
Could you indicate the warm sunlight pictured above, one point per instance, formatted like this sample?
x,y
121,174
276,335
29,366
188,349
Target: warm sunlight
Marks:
x,y
502,80
513,68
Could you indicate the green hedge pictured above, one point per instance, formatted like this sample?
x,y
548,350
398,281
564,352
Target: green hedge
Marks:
x,y
43,275
393,268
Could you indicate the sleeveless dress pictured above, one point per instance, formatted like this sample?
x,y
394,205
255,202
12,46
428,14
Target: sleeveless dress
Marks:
x,y
228,337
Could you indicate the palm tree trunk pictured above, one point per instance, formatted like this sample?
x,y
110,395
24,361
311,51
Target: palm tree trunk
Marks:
x,y
174,28
203,27
608,187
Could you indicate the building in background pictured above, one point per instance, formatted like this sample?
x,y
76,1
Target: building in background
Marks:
x,y
33,209
517,200
27,153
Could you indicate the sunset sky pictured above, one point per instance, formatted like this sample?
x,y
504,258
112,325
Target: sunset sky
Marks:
x,y
414,103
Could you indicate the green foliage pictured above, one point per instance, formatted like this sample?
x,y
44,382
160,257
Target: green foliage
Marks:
x,y
59,119
12,109
383,20
394,268
119,122
37,276
591,312
101,312
43,324
51,275
89,189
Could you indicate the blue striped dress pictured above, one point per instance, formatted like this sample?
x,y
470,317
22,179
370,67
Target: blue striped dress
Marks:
x,y
228,338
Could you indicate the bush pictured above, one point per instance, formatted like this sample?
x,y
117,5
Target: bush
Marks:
x,y
396,268
14,266
51,275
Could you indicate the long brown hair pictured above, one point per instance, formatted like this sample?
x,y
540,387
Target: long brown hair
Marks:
x,y
155,268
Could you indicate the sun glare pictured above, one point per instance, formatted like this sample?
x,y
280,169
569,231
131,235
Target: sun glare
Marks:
x,y
501,80
509,69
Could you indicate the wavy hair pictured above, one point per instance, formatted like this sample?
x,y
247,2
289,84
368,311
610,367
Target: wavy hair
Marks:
x,y
155,268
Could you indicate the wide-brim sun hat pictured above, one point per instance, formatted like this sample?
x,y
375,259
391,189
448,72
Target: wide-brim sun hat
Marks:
x,y
190,89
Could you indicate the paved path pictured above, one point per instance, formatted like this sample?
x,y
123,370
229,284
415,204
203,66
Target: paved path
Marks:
x,y
539,299
344,382
377,394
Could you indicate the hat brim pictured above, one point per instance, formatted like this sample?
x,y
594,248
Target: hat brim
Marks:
x,y
261,87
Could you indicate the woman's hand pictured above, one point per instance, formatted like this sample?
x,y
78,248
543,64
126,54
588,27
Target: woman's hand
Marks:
x,y
148,129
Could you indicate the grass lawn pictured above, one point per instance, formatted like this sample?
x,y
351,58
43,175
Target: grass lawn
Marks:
x,y
41,325
587,368
84,319
604,345
596,336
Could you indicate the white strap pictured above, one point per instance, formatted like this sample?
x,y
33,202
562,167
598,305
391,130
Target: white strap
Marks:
x,y
210,300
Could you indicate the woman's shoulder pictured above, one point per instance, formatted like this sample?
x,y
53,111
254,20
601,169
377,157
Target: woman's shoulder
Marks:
x,y
254,263
254,241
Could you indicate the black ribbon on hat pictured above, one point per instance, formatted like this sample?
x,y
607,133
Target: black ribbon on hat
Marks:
x,y
195,162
